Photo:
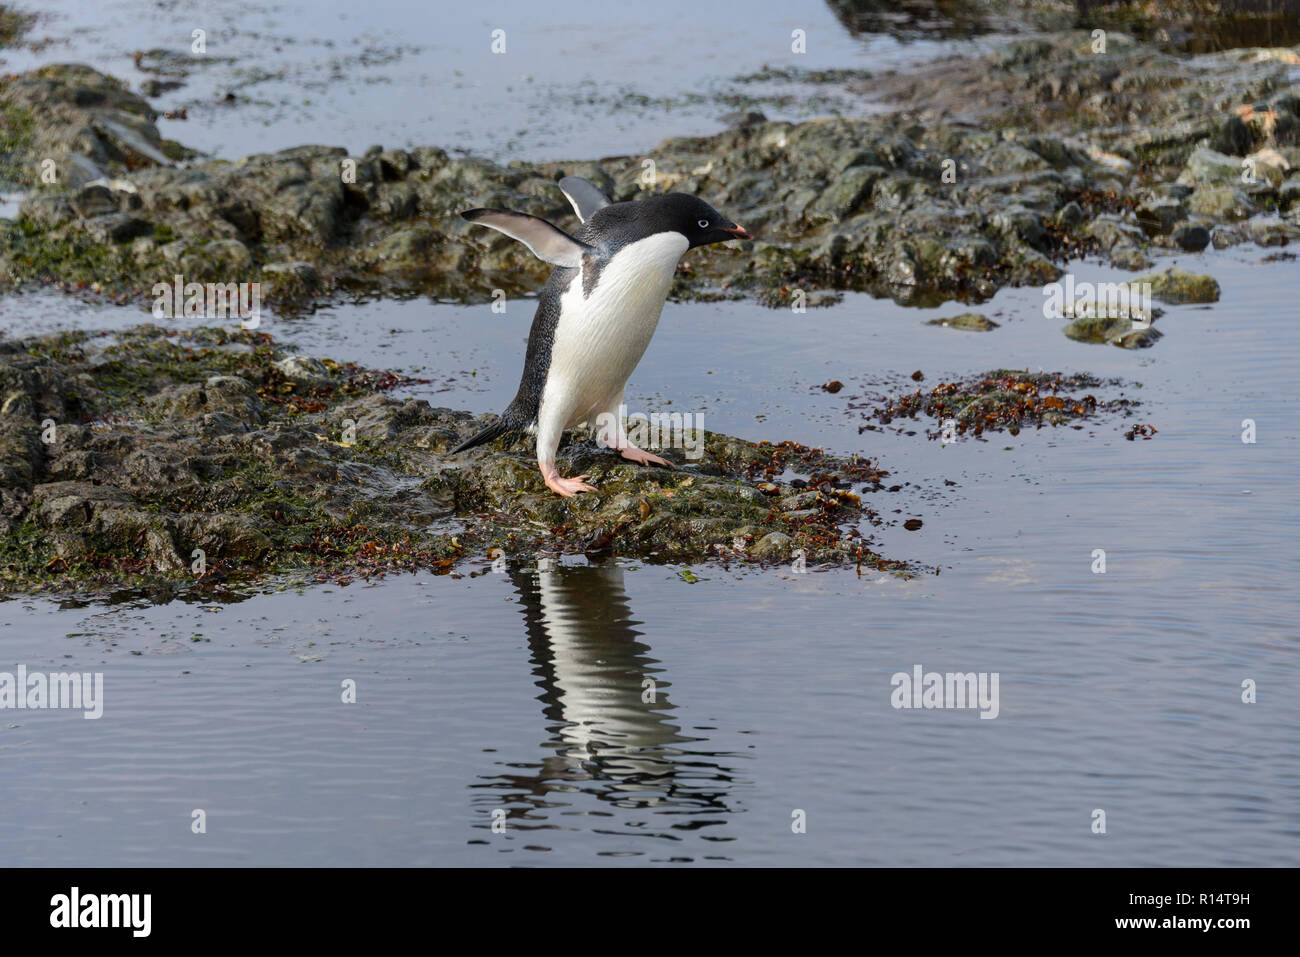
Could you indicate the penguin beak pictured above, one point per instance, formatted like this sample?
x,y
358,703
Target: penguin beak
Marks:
x,y
740,232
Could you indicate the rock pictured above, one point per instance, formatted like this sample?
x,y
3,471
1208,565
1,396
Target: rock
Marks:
x,y
848,191
1160,214
406,248
1288,196
116,228
1070,215
1232,137
94,199
1207,167
776,545
1109,230
1127,255
1124,333
950,195
305,370
264,476
1225,237
1221,202
1192,237
221,260
1272,232
290,280
85,122
971,321
1267,166
1175,285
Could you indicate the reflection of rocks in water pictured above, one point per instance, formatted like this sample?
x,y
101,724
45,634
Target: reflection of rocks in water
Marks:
x,y
608,717
1188,26
911,18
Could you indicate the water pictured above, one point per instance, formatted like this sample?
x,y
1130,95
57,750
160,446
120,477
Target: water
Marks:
x,y
522,692
521,696
576,80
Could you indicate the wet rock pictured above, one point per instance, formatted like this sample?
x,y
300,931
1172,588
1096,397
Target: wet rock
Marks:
x,y
1175,285
994,170
1070,215
1225,237
1221,202
116,228
1159,214
93,200
849,190
1192,237
1127,255
1272,232
776,545
291,280
1206,167
971,321
305,370
82,121
405,249
1124,333
221,260
1110,229
206,456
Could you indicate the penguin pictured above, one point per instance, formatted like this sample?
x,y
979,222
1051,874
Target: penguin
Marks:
x,y
597,312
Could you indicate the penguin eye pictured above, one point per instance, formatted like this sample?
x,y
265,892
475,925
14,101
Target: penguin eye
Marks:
x,y
703,224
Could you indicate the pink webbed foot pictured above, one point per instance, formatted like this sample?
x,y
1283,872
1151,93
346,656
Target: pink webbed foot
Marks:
x,y
642,457
568,487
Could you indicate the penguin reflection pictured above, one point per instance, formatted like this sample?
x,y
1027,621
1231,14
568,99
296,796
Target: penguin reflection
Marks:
x,y
607,710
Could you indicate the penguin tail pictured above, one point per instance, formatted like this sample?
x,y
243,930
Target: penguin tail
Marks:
x,y
494,430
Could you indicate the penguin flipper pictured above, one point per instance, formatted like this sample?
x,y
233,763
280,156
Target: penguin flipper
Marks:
x,y
584,195
547,242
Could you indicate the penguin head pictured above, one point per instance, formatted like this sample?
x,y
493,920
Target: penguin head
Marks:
x,y
691,216
695,219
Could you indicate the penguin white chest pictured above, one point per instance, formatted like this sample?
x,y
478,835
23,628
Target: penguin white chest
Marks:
x,y
600,338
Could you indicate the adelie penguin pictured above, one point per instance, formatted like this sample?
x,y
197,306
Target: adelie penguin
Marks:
x,y
597,311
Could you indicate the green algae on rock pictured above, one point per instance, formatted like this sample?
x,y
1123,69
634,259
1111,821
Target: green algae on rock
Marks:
x,y
203,457
970,321
1174,285
66,125
1116,330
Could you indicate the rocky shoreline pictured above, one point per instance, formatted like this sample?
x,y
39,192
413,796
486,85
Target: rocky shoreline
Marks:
x,y
164,459
991,172
201,457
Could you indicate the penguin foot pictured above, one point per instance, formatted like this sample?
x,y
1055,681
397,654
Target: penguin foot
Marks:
x,y
566,487
642,457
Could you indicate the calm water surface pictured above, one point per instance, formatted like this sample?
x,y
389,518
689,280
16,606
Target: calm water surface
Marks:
x,y
579,78
521,696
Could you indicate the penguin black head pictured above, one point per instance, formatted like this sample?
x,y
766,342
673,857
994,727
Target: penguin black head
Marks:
x,y
691,216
